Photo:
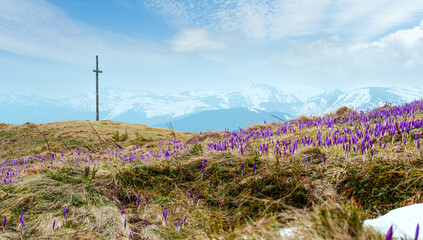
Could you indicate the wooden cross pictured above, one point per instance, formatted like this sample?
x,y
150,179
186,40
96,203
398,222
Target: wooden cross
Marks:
x,y
96,86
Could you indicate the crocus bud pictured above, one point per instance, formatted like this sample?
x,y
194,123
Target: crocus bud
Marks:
x,y
389,234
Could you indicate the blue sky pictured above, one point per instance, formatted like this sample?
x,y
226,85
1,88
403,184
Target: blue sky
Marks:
x,y
48,47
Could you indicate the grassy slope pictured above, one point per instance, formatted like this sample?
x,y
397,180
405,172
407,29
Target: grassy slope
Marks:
x,y
25,140
237,203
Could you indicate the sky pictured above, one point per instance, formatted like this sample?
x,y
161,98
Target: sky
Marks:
x,y
48,47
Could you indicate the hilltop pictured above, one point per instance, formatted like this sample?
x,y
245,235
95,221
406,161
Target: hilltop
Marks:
x,y
111,180
30,139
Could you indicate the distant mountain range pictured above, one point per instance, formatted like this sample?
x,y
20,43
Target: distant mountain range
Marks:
x,y
199,110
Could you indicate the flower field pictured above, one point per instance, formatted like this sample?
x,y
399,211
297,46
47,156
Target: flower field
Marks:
x,y
327,173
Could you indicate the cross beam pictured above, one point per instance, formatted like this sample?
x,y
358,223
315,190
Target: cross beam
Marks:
x,y
96,84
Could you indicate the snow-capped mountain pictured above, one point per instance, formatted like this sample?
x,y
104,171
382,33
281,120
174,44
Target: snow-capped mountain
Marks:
x,y
154,109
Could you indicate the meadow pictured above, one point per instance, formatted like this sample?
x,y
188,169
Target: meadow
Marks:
x,y
112,180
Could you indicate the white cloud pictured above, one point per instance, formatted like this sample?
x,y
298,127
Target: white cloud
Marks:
x,y
38,28
195,39
334,62
403,47
272,20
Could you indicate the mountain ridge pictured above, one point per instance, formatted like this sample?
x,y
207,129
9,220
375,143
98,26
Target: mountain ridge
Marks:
x,y
154,109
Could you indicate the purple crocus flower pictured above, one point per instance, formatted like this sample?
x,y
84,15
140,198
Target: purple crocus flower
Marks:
x,y
210,182
4,223
121,211
305,160
54,224
124,224
22,221
145,222
417,232
146,200
185,218
389,234
164,214
324,159
139,199
130,235
64,213
198,195
418,144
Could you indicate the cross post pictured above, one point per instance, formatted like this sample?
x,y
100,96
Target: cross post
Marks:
x,y
96,85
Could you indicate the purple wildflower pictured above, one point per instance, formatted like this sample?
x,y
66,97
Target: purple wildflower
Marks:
x,y
64,213
164,215
210,182
54,224
139,199
389,234
121,211
124,224
417,232
305,160
22,221
130,235
145,222
185,218
4,223
146,200
324,159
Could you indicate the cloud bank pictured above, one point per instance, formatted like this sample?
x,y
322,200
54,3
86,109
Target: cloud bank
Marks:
x,y
272,20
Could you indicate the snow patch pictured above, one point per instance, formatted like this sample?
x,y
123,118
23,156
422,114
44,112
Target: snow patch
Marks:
x,y
404,221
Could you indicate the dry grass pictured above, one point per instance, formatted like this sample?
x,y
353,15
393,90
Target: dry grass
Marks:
x,y
24,140
42,199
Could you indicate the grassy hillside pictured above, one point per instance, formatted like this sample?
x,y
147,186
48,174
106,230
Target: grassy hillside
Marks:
x,y
32,139
326,173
